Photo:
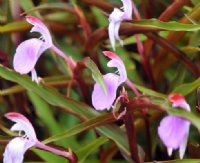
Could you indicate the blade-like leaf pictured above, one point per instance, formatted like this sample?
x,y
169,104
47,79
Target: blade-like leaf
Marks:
x,y
84,152
150,92
186,89
49,157
171,25
15,27
95,73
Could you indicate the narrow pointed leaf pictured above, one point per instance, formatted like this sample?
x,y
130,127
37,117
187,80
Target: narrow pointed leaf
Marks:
x,y
95,73
170,26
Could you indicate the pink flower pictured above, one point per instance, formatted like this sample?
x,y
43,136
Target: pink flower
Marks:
x,y
100,100
29,51
15,149
115,19
173,130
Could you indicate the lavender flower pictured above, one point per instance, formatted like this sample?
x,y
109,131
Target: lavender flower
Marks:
x,y
100,100
115,19
29,51
173,130
15,149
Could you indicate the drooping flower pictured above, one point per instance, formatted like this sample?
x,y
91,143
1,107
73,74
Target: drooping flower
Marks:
x,y
173,130
15,149
100,100
29,51
115,19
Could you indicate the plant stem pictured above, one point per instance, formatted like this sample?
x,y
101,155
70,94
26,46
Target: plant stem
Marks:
x,y
130,129
68,59
69,155
140,47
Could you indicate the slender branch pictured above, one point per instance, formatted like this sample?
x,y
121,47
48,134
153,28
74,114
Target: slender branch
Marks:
x,y
131,85
176,52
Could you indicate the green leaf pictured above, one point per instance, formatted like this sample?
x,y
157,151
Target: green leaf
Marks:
x,y
186,89
44,112
150,92
53,6
170,26
84,152
27,5
95,73
49,157
79,128
15,27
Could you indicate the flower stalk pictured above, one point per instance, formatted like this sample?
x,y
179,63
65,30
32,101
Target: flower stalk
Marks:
x,y
69,155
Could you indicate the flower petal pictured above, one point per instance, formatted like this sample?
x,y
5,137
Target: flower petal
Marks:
x,y
173,131
115,20
118,63
116,33
128,8
116,15
27,54
40,27
22,124
179,101
183,145
101,101
111,33
15,149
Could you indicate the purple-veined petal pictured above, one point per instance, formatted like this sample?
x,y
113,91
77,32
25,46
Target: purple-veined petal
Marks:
x,y
27,54
128,8
173,131
179,101
15,149
22,124
40,27
118,63
100,100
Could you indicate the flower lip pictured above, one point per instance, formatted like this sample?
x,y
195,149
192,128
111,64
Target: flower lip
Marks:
x,y
27,54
